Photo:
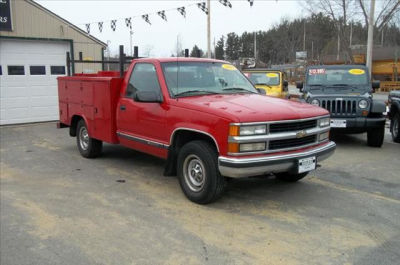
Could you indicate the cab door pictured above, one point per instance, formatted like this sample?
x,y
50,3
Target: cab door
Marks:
x,y
142,125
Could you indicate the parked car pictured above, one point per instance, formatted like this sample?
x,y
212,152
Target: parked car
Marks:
x,y
394,114
346,92
201,115
273,82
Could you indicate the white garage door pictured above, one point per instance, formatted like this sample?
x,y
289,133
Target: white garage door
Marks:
x,y
28,79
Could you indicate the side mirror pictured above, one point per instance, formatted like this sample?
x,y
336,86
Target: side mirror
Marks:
x,y
299,85
148,96
261,91
285,83
376,85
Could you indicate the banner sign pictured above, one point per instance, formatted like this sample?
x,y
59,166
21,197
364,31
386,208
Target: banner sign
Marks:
x,y
5,15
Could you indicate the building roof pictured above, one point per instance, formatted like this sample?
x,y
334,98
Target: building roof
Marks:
x,y
67,22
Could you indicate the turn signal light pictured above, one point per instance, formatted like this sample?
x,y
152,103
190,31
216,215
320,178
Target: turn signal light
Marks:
x,y
234,130
233,148
364,113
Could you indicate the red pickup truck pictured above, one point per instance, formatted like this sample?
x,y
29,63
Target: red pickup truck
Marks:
x,y
203,116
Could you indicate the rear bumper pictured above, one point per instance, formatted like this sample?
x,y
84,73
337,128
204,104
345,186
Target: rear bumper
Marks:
x,y
247,167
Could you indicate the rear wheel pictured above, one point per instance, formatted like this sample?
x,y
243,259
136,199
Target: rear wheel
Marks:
x,y
289,177
375,136
394,127
88,147
198,172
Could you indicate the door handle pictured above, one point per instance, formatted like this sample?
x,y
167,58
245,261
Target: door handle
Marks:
x,y
122,107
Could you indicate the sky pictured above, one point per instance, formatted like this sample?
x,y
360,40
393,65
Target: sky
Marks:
x,y
159,39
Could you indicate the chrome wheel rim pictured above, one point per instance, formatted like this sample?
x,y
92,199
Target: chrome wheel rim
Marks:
x,y
194,173
83,138
396,127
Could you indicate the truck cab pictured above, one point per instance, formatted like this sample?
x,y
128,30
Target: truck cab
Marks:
x,y
273,82
202,116
347,93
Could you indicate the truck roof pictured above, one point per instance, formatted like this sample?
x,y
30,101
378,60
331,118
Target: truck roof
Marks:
x,y
181,59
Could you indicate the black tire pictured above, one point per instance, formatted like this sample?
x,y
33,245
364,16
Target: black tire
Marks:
x,y
394,127
203,183
87,146
375,136
290,177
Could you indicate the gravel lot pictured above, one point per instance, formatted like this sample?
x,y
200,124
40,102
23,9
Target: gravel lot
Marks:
x,y
59,208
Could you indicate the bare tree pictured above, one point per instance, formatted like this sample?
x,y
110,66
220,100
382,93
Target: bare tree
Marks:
x,y
388,11
345,12
342,12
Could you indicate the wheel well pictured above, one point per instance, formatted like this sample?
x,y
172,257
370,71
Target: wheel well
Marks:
x,y
74,123
179,139
393,110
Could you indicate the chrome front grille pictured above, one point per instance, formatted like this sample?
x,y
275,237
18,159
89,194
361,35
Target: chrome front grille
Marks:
x,y
283,135
288,143
292,126
340,107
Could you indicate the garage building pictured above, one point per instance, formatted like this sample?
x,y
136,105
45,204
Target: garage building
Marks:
x,y
33,46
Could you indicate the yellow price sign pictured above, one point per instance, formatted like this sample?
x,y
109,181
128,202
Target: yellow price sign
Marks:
x,y
229,67
356,71
272,75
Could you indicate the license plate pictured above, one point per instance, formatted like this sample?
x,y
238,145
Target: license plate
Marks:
x,y
338,123
307,164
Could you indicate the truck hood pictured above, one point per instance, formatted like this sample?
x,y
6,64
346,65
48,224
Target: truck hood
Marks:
x,y
250,107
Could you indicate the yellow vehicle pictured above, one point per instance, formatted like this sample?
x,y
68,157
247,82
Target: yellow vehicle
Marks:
x,y
272,81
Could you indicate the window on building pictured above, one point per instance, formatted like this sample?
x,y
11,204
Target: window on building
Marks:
x,y
57,70
16,70
37,70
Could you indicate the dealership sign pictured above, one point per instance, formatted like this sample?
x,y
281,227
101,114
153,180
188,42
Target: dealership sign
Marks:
x,y
5,15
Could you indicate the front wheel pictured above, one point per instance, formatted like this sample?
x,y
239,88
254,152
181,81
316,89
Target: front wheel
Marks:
x,y
198,172
375,136
289,177
88,147
394,127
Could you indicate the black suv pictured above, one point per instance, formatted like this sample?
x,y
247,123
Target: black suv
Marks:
x,y
394,114
346,92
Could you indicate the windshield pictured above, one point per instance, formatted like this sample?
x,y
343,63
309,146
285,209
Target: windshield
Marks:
x,y
195,78
336,77
270,79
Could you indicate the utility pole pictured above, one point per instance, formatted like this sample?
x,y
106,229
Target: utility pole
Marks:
x,y
255,46
351,33
312,50
370,42
131,33
108,54
208,29
338,47
304,36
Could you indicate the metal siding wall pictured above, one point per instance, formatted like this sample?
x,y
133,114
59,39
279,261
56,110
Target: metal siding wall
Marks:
x,y
32,22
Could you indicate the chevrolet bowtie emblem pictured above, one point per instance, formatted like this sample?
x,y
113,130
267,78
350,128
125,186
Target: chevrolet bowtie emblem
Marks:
x,y
301,134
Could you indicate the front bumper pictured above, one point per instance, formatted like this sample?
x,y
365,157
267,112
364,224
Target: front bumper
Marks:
x,y
256,166
361,122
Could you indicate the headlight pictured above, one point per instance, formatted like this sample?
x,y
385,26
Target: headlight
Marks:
x,y
251,147
363,104
315,102
324,122
252,130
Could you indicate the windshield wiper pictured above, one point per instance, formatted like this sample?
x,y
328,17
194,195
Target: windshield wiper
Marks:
x,y
315,86
195,92
263,84
344,86
237,89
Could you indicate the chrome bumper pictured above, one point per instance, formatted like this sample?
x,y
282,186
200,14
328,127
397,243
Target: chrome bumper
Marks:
x,y
247,167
